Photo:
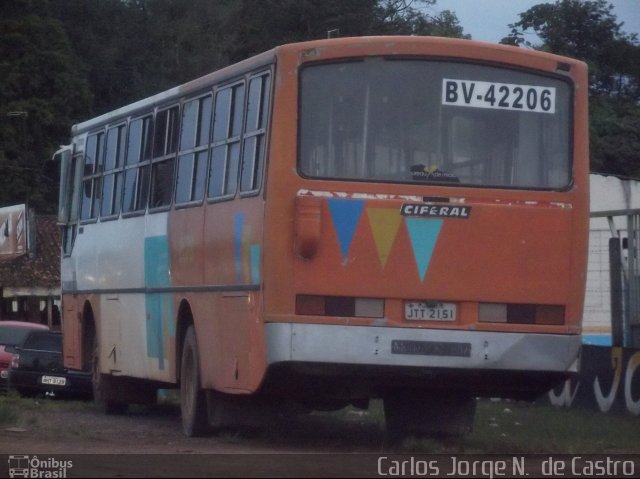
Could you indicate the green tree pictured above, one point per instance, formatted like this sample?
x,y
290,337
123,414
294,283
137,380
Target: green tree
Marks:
x,y
588,30
251,26
63,61
42,92
112,38
615,136
138,47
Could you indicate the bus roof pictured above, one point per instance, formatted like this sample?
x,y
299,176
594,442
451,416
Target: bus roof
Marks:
x,y
439,46
347,46
177,92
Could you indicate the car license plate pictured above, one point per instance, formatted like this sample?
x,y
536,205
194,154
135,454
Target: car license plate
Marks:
x,y
429,311
54,380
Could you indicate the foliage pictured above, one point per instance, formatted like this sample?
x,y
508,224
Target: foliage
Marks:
x,y
588,30
615,136
42,91
8,410
63,61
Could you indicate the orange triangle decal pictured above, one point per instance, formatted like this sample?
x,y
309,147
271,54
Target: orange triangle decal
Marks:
x,y
384,224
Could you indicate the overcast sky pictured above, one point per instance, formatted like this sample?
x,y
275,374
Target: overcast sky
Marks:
x,y
487,20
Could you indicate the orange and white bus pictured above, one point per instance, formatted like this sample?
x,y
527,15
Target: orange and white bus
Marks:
x,y
402,218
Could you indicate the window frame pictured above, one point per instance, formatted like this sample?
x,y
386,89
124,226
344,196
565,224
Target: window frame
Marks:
x,y
150,155
264,116
228,140
195,150
119,168
165,157
69,230
94,176
265,112
137,166
570,112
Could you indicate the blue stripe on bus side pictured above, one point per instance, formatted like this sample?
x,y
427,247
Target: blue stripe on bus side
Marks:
x,y
159,306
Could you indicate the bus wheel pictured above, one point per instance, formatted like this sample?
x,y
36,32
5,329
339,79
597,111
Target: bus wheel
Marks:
x,y
193,405
102,387
431,414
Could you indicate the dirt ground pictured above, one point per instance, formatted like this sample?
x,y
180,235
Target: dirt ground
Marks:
x,y
149,443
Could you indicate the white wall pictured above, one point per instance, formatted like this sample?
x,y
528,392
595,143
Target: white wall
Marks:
x,y
607,193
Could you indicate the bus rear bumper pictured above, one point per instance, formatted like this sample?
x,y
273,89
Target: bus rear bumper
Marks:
x,y
424,348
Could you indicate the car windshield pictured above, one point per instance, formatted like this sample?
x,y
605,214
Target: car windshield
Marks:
x,y
44,342
13,335
419,121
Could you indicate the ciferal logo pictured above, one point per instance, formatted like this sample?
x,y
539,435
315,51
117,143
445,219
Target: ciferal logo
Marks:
x,y
435,211
27,466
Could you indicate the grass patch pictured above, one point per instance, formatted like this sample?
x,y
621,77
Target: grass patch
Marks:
x,y
539,428
9,410
500,427
507,427
19,412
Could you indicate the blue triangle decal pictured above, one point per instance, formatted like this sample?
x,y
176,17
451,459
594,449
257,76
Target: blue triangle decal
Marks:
x,y
346,215
423,234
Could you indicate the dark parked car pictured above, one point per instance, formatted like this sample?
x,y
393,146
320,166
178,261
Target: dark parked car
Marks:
x,y
37,367
12,334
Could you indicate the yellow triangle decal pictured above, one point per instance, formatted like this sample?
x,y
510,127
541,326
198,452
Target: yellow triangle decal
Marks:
x,y
384,224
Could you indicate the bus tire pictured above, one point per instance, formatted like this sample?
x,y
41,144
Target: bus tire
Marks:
x,y
428,413
193,404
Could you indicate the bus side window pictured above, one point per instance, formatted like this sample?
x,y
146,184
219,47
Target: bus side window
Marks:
x,y
72,199
255,133
227,130
90,203
112,180
194,150
165,145
137,164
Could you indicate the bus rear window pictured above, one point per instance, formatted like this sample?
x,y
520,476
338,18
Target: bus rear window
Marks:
x,y
414,121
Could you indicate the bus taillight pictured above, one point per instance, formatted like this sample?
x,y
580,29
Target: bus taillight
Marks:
x,y
314,305
521,313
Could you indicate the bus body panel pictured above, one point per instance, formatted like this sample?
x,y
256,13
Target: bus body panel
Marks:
x,y
137,329
172,266
516,245
420,348
447,258
499,210
233,265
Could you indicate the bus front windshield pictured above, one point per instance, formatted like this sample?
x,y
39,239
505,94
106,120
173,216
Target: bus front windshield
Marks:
x,y
419,121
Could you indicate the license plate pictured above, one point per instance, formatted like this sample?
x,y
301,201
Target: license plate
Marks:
x,y
429,311
54,380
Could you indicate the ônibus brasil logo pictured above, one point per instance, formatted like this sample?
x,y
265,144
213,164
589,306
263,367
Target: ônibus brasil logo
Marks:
x,y
28,466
